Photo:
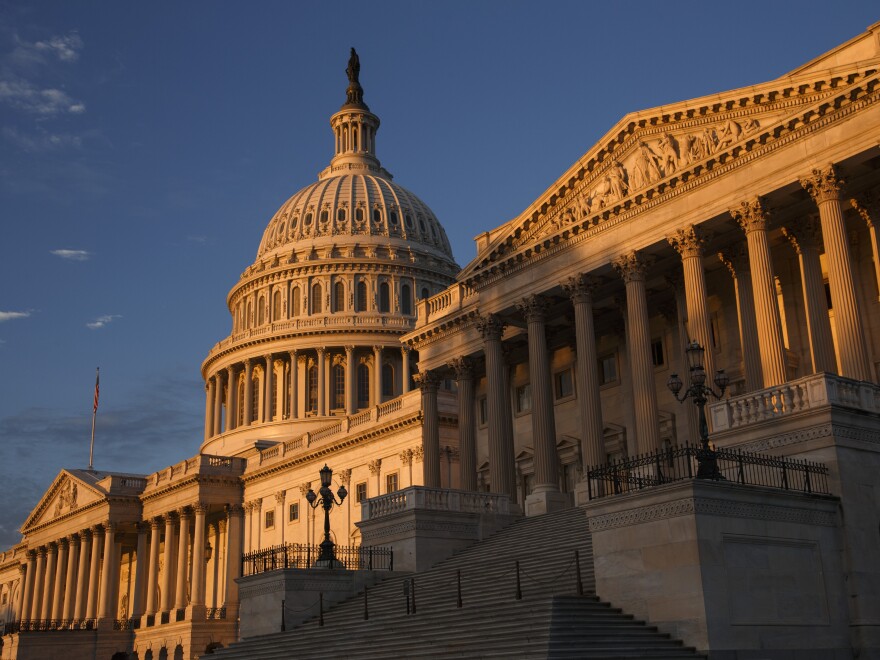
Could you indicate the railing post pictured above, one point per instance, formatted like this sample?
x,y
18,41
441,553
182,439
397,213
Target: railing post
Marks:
x,y
366,608
784,475
458,579
282,615
518,586
412,588
807,485
321,609
577,566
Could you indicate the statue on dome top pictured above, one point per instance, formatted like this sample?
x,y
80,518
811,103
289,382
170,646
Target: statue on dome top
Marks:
x,y
354,67
354,95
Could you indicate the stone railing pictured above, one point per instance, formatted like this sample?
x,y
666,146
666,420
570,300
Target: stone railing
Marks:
x,y
445,302
202,464
797,396
434,499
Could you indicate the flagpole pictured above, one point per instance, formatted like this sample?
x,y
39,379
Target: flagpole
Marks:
x,y
94,415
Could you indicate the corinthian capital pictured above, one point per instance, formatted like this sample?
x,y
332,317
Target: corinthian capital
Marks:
x,y
823,184
631,266
490,326
688,242
463,368
533,307
427,381
580,287
867,206
751,216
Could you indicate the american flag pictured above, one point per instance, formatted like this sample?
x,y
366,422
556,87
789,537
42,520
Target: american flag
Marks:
x,y
97,387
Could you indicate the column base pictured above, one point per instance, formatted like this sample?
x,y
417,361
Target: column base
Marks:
x,y
539,503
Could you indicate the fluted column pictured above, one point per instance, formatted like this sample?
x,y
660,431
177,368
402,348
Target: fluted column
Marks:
x,y
632,268
467,427
322,382
17,607
106,608
805,238
209,407
258,515
248,523
152,605
268,387
167,581
534,309
27,596
689,243
82,574
94,573
404,369
248,394
294,385
140,572
198,569
580,290
49,581
736,260
217,423
70,581
58,581
753,220
182,556
233,554
231,398
39,579
502,476
429,383
824,187
868,208
377,374
350,384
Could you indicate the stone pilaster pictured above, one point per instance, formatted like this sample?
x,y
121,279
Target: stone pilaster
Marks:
x,y
140,572
467,428
429,383
233,556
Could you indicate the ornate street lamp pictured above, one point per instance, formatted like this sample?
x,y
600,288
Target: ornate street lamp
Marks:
x,y
707,466
327,557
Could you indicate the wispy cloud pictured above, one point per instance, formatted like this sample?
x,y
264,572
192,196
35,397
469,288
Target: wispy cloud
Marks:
x,y
72,255
197,239
66,48
101,321
42,140
28,97
9,316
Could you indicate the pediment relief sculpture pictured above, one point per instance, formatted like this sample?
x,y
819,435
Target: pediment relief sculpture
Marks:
x,y
66,499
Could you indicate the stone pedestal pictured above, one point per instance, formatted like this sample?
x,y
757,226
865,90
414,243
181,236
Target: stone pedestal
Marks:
x,y
541,502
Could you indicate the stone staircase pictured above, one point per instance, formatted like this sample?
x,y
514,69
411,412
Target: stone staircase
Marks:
x,y
549,621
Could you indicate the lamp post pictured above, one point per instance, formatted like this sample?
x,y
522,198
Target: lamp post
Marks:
x,y
707,466
327,557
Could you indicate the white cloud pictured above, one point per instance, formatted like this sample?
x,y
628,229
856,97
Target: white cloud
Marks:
x,y
8,316
26,96
66,47
101,321
73,255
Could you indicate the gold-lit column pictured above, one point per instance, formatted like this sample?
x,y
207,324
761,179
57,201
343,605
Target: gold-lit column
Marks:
x,y
18,606
140,572
429,383
868,208
825,188
209,407
233,556
404,369
753,220
294,385
49,581
805,238
218,403
167,577
248,523
350,383
106,608
736,259
322,383
248,392
70,581
94,572
182,556
28,590
631,267
467,428
82,575
58,590
280,497
580,290
268,387
377,375
39,579
231,398
153,573
198,569
258,515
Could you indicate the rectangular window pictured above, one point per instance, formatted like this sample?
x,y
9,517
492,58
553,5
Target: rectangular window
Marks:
x,y
524,398
293,512
270,519
658,356
483,411
391,482
608,369
563,384
360,492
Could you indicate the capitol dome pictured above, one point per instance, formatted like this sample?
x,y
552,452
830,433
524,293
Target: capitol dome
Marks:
x,y
317,318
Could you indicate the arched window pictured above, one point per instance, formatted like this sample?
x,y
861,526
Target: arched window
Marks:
x,y
255,398
363,388
295,301
394,218
407,219
337,386
359,214
250,313
261,311
317,306
339,297
313,389
377,216
324,216
387,380
340,215
384,297
240,398
354,138
361,296
307,221
405,300
276,306
425,293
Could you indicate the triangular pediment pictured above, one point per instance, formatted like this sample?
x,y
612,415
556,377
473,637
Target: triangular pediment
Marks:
x,y
654,151
68,493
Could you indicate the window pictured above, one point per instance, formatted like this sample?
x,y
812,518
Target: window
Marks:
x,y
339,297
270,519
608,369
384,297
359,214
293,512
482,411
377,216
240,399
363,386
425,293
317,307
658,358
313,388
387,380
255,397
394,218
405,300
295,303
308,219
563,384
340,215
276,306
261,311
524,398
391,482
407,219
324,217
337,385
361,297
360,491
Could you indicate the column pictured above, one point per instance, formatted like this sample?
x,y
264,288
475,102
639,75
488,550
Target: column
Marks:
x,y
502,477
805,238
182,556
27,597
248,523
825,188
94,573
294,383
404,369
233,556
248,394
467,427
209,407
39,577
867,207
70,583
140,573
268,389
322,381
429,383
753,220
377,374
350,383
580,290
49,582
167,583
675,280
18,607
152,605
218,403
106,608
82,575
631,268
689,243
198,569
231,398
280,520
60,575
258,514
736,260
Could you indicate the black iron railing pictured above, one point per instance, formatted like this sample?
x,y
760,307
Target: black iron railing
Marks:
x,y
300,555
42,625
681,463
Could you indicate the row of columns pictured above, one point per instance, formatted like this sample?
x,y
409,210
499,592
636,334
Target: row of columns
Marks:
x,y
221,388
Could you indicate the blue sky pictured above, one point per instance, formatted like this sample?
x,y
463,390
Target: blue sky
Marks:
x,y
145,146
